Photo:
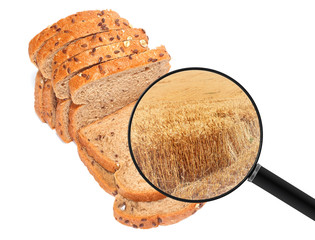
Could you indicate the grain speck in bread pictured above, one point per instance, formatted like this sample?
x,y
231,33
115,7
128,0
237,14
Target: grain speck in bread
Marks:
x,y
62,120
49,104
123,75
152,214
65,24
89,58
38,94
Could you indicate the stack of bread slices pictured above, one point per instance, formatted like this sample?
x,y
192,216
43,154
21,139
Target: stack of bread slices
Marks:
x,y
92,67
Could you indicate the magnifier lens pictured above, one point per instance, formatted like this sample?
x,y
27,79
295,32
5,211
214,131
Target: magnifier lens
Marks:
x,y
195,135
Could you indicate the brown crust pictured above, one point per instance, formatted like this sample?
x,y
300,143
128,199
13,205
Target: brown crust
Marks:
x,y
58,41
63,24
92,57
127,192
145,222
72,124
38,95
108,186
49,104
99,39
62,129
114,66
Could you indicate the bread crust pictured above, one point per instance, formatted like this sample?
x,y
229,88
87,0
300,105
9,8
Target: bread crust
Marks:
x,y
38,95
154,220
95,40
64,24
62,129
72,124
113,67
49,104
108,185
89,58
58,41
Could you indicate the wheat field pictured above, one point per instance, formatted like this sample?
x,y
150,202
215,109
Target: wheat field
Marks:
x,y
195,135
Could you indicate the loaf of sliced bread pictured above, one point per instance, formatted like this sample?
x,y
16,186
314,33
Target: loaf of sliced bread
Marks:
x,y
123,76
152,214
87,18
49,104
54,58
62,120
104,178
38,95
90,58
60,41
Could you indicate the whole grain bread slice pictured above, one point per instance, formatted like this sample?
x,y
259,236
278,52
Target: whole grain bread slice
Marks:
x,y
49,104
58,42
104,178
152,214
124,76
106,141
90,58
38,95
62,120
83,115
122,183
138,214
63,25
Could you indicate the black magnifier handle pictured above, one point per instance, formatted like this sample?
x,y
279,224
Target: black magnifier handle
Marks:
x,y
283,190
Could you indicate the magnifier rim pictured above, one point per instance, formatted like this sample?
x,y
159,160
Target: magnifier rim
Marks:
x,y
260,143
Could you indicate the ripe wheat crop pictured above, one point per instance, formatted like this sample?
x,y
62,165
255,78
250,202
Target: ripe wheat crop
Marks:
x,y
195,147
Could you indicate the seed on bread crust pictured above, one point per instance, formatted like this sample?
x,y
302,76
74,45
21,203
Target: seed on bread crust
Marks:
x,y
129,38
126,43
143,43
122,206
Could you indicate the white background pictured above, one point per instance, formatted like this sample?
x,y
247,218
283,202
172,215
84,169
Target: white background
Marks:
x,y
269,47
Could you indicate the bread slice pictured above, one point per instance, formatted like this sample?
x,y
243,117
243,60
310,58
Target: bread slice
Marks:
x,y
106,141
66,24
53,58
83,115
104,178
138,214
123,76
61,40
62,120
152,214
89,58
132,186
38,94
49,104
127,182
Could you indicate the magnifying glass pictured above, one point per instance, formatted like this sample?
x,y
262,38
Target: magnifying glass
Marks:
x,y
195,135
